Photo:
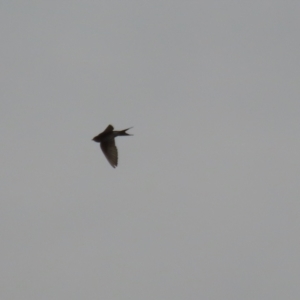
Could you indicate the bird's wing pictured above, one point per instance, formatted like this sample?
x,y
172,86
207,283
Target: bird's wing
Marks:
x,y
109,128
110,151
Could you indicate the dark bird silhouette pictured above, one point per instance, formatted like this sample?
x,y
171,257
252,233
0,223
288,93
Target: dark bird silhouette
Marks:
x,y
107,143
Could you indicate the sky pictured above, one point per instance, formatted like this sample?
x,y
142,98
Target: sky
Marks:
x,y
204,203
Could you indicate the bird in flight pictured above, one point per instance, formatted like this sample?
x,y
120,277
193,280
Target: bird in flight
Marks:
x,y
107,143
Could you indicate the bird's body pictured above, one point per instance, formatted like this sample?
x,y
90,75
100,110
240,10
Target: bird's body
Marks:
x,y
107,143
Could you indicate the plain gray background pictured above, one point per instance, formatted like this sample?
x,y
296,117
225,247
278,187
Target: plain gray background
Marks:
x,y
205,201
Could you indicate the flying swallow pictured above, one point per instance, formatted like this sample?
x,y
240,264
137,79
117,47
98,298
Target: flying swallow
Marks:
x,y
107,143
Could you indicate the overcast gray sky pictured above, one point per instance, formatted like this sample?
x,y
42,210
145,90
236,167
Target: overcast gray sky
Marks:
x,y
205,201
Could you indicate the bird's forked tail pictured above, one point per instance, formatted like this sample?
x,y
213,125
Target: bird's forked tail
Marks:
x,y
123,132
